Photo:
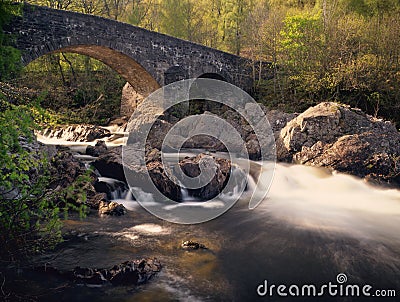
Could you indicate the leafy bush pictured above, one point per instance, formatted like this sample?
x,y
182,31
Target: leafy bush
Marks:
x,y
29,211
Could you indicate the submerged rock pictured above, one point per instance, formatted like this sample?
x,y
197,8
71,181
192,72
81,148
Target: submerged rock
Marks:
x,y
129,273
192,245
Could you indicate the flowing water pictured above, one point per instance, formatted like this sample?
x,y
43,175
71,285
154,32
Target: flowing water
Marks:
x,y
312,226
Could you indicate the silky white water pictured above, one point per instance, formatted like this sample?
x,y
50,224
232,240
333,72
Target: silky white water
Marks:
x,y
312,198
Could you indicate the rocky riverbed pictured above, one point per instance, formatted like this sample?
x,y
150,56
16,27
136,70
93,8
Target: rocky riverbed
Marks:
x,y
329,135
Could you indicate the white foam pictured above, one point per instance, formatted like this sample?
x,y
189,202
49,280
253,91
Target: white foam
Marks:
x,y
305,197
149,228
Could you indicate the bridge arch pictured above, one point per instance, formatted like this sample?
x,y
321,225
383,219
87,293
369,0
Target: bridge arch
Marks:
x,y
134,73
146,59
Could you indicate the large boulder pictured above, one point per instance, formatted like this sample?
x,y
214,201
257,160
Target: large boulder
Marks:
x,y
110,165
325,122
219,167
344,139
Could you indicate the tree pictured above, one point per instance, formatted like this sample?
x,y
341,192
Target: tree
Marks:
x,y
233,13
172,18
92,7
140,11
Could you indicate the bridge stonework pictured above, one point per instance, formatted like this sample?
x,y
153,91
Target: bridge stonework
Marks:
x,y
146,59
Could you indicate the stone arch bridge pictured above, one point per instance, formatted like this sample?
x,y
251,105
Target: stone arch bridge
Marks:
x,y
146,59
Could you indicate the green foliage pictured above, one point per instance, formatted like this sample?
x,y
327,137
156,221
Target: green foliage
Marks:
x,y
75,88
340,50
74,197
10,57
25,211
301,39
29,209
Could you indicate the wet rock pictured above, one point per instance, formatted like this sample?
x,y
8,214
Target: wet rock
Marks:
x,y
97,150
134,272
118,124
192,245
153,155
76,133
216,169
89,276
109,164
158,175
129,273
157,133
204,142
111,208
111,187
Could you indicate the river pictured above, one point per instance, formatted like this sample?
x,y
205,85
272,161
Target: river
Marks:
x,y
312,226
